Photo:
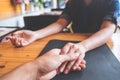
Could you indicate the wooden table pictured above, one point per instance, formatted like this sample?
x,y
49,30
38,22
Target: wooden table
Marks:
x,y
11,57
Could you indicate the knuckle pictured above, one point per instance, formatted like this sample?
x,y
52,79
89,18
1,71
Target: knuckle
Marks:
x,y
63,51
77,63
68,67
63,65
69,44
71,64
74,46
55,50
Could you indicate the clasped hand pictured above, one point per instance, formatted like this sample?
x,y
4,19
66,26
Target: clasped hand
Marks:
x,y
76,64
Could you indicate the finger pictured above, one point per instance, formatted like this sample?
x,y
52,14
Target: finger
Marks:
x,y
9,37
83,62
70,51
83,66
78,62
66,48
17,41
23,42
79,65
12,39
69,57
17,33
62,67
78,68
69,67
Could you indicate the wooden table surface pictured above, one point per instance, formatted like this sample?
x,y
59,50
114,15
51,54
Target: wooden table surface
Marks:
x,y
11,57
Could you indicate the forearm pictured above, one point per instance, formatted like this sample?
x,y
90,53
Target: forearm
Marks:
x,y
100,37
51,29
27,71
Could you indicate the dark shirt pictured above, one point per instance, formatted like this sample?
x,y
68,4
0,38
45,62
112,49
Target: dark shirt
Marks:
x,y
88,19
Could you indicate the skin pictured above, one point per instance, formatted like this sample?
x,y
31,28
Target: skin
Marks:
x,y
97,39
25,37
42,68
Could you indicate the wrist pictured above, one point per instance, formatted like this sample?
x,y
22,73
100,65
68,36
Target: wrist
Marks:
x,y
39,66
31,65
29,69
36,35
82,47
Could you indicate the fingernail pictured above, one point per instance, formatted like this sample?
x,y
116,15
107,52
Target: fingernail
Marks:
x,y
66,72
74,68
61,70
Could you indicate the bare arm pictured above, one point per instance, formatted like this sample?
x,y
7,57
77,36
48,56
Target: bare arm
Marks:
x,y
42,68
25,37
100,37
51,29
27,71
96,40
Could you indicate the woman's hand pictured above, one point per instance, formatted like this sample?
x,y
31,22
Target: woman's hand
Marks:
x,y
79,63
22,38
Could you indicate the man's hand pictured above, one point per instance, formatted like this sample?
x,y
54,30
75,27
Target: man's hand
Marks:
x,y
52,60
79,63
42,68
22,38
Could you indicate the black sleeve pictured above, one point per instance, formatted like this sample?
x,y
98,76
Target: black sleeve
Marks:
x,y
113,11
66,14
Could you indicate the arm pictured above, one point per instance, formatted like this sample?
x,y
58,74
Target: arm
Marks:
x,y
25,37
27,71
96,40
42,68
51,29
100,37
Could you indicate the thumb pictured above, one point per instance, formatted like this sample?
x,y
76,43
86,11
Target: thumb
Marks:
x,y
17,33
69,57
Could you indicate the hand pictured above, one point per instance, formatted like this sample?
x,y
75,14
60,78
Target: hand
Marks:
x,y
77,64
52,60
22,38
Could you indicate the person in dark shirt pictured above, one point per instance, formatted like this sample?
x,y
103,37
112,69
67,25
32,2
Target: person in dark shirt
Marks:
x,y
87,16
